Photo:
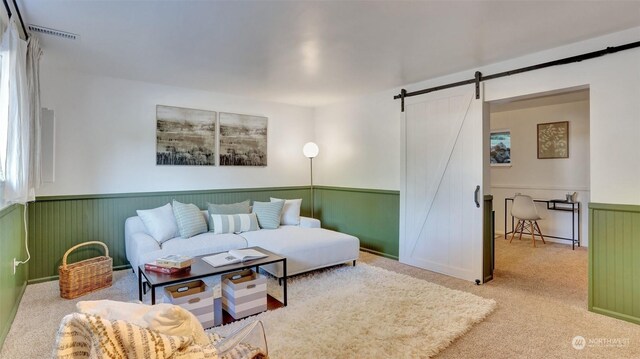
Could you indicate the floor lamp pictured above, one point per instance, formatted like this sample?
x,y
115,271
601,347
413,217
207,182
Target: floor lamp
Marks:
x,y
310,151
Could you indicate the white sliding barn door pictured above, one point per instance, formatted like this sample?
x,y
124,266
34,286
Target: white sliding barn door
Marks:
x,y
440,223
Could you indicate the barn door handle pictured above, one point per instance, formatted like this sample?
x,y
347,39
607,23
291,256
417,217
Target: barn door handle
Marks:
x,y
475,196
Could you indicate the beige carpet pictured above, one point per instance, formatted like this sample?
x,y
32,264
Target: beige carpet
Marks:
x,y
541,295
368,312
542,304
342,312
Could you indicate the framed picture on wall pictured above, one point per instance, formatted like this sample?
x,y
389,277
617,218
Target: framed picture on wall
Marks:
x,y
185,136
243,140
500,152
553,140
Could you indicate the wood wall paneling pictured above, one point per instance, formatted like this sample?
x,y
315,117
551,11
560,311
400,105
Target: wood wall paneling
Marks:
x,y
11,246
58,223
370,215
614,260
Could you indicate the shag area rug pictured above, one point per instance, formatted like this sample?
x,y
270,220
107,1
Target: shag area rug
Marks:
x,y
368,312
341,312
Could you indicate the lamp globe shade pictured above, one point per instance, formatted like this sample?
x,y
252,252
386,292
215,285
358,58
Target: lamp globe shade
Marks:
x,y
310,150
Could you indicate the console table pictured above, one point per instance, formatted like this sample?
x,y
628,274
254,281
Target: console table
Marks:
x,y
553,205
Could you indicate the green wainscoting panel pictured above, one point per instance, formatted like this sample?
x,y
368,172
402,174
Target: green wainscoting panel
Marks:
x,y
371,215
11,246
58,223
614,260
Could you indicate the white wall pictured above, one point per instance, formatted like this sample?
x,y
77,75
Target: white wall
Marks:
x,y
544,178
359,143
614,84
105,137
369,136
105,140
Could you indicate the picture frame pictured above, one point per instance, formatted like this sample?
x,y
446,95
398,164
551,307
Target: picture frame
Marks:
x,y
500,148
185,136
553,140
242,140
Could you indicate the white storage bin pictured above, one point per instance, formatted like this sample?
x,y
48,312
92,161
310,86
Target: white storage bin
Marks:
x,y
195,297
244,293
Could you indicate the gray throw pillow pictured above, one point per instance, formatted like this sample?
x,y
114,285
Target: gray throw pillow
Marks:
x,y
232,208
268,213
189,218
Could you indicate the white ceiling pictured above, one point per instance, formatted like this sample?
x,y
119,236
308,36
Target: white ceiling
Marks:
x,y
309,53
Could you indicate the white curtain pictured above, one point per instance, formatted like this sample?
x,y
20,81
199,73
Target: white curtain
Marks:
x,y
20,106
34,52
5,62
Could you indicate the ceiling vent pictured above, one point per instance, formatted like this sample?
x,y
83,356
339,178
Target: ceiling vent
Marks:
x,y
53,32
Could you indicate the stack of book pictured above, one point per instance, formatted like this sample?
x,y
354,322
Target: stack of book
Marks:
x,y
172,264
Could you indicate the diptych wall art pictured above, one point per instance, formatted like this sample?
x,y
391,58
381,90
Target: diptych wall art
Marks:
x,y
185,136
188,137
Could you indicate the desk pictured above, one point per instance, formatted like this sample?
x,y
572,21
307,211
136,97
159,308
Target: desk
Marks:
x,y
553,205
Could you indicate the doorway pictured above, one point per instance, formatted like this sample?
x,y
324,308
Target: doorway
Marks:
x,y
523,161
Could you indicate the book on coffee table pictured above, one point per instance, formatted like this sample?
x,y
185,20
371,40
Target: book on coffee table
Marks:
x,y
233,256
154,267
174,261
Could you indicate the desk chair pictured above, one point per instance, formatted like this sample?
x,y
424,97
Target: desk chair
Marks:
x,y
524,209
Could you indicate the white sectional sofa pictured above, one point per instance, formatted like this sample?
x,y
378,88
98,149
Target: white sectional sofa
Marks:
x,y
306,246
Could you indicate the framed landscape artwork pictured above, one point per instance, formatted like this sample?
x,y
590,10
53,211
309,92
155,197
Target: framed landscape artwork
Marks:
x,y
243,140
185,137
553,140
500,152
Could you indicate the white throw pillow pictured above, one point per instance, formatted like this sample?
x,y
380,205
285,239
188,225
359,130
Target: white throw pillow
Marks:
x,y
291,210
160,223
165,318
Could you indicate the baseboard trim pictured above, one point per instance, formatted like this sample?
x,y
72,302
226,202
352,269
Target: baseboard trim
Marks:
x,y
379,253
609,313
12,315
55,277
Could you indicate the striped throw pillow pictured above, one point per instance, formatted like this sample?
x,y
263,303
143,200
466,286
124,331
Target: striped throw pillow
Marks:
x,y
189,218
232,208
234,223
268,213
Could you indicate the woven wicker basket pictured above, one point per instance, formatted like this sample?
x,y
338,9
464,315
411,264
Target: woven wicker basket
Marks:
x,y
86,276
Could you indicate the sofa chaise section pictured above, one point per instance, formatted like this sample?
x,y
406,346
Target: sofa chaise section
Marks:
x,y
305,248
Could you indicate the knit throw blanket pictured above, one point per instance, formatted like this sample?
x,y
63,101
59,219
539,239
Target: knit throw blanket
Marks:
x,y
88,336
